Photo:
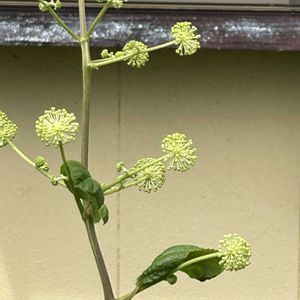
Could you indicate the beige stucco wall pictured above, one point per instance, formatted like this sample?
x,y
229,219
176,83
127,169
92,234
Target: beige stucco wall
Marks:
x,y
242,110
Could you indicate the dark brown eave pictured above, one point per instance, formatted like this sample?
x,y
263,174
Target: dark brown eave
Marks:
x,y
220,29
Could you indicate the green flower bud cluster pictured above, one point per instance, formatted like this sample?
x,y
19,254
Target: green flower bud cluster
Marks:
x,y
149,174
235,252
136,50
57,126
180,150
44,5
8,129
151,178
141,56
41,164
115,3
185,38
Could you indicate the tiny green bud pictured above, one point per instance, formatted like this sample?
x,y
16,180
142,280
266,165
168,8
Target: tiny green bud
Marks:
x,y
154,176
179,148
56,126
140,58
44,5
106,54
235,252
118,3
8,129
185,38
41,163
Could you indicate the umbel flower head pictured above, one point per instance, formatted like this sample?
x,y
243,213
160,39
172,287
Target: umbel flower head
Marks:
x,y
56,126
140,58
55,4
185,38
179,148
152,178
8,129
235,252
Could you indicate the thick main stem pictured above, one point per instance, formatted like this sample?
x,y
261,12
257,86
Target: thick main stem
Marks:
x,y
89,223
86,76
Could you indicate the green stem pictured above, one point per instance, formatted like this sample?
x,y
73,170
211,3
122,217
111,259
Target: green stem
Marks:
x,y
195,260
129,296
77,198
90,228
95,64
132,173
125,186
60,21
98,18
30,162
86,77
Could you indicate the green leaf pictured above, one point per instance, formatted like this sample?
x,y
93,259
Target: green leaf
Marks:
x,y
83,185
167,262
104,213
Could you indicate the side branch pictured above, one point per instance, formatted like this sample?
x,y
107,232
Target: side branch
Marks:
x,y
95,64
60,21
98,18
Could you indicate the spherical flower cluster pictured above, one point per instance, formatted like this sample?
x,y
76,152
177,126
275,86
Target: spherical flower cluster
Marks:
x,y
179,148
57,126
41,163
235,252
140,57
118,3
8,129
55,4
185,38
151,178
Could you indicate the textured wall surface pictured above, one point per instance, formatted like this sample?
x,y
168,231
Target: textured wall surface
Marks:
x,y
242,110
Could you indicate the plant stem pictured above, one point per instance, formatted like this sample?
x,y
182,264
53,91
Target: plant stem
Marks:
x,y
129,296
30,162
90,228
134,172
60,21
77,198
95,64
86,77
195,260
98,18
125,186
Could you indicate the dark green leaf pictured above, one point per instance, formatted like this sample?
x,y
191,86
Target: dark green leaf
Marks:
x,y
104,213
83,185
167,262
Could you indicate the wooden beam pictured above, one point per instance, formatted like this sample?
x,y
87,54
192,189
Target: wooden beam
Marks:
x,y
261,30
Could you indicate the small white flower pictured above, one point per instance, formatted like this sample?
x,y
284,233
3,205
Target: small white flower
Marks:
x,y
235,252
8,129
140,58
185,38
57,126
154,176
179,148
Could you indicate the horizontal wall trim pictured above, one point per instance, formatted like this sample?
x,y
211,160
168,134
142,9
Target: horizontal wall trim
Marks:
x,y
219,29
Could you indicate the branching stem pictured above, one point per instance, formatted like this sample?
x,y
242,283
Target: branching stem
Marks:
x,y
95,64
98,18
60,21
89,223
30,162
